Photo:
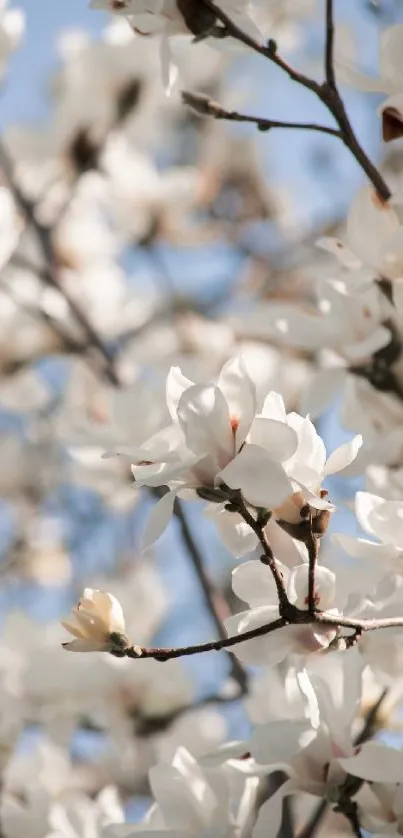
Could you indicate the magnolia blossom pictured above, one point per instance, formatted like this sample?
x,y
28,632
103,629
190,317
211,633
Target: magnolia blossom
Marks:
x,y
192,801
382,520
317,757
222,435
389,81
253,583
95,622
12,25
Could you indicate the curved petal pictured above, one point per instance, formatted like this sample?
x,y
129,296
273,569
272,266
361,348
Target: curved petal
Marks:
x,y
376,762
280,740
325,587
361,548
240,394
253,583
237,536
270,814
343,456
321,391
365,506
277,438
261,481
268,650
204,418
84,646
176,385
158,519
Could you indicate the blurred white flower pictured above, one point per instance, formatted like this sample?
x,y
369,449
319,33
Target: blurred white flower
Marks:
x,y
375,234
389,81
12,26
98,616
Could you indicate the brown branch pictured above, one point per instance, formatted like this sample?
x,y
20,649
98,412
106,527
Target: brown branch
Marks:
x,y
329,48
207,107
312,546
49,274
327,92
267,557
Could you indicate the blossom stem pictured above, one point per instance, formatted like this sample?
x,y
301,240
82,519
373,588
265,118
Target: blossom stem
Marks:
x,y
327,92
267,557
312,545
205,106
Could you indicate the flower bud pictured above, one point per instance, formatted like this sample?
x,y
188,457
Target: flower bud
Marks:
x,y
97,624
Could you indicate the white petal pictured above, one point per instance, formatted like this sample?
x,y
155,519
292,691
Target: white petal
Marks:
x,y
168,68
268,650
204,417
253,583
261,481
270,814
273,407
280,740
237,536
325,587
277,438
397,291
240,394
365,506
361,548
176,385
343,456
369,225
376,763
84,646
158,520
311,448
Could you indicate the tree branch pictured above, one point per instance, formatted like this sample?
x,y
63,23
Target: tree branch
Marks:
x,y
329,48
207,107
327,92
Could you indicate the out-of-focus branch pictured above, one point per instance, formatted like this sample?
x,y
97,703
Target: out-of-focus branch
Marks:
x,y
50,272
208,107
326,91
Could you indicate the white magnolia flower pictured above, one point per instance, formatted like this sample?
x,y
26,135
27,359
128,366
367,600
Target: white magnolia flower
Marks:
x,y
98,616
317,759
192,801
173,17
217,436
382,520
389,81
221,435
253,583
380,808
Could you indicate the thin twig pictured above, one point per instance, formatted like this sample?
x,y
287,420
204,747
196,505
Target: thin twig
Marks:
x,y
312,546
327,92
352,816
205,106
267,557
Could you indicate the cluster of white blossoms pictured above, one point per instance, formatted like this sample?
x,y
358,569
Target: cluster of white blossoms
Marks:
x,y
168,366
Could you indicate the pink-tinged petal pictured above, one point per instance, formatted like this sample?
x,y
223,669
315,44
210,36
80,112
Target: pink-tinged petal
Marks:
x,y
321,390
270,814
158,519
391,57
343,456
325,587
261,481
369,225
377,763
366,505
176,385
277,438
391,255
84,646
240,394
252,583
204,418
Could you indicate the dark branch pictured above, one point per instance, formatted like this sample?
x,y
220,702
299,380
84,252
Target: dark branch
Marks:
x,y
207,107
329,48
